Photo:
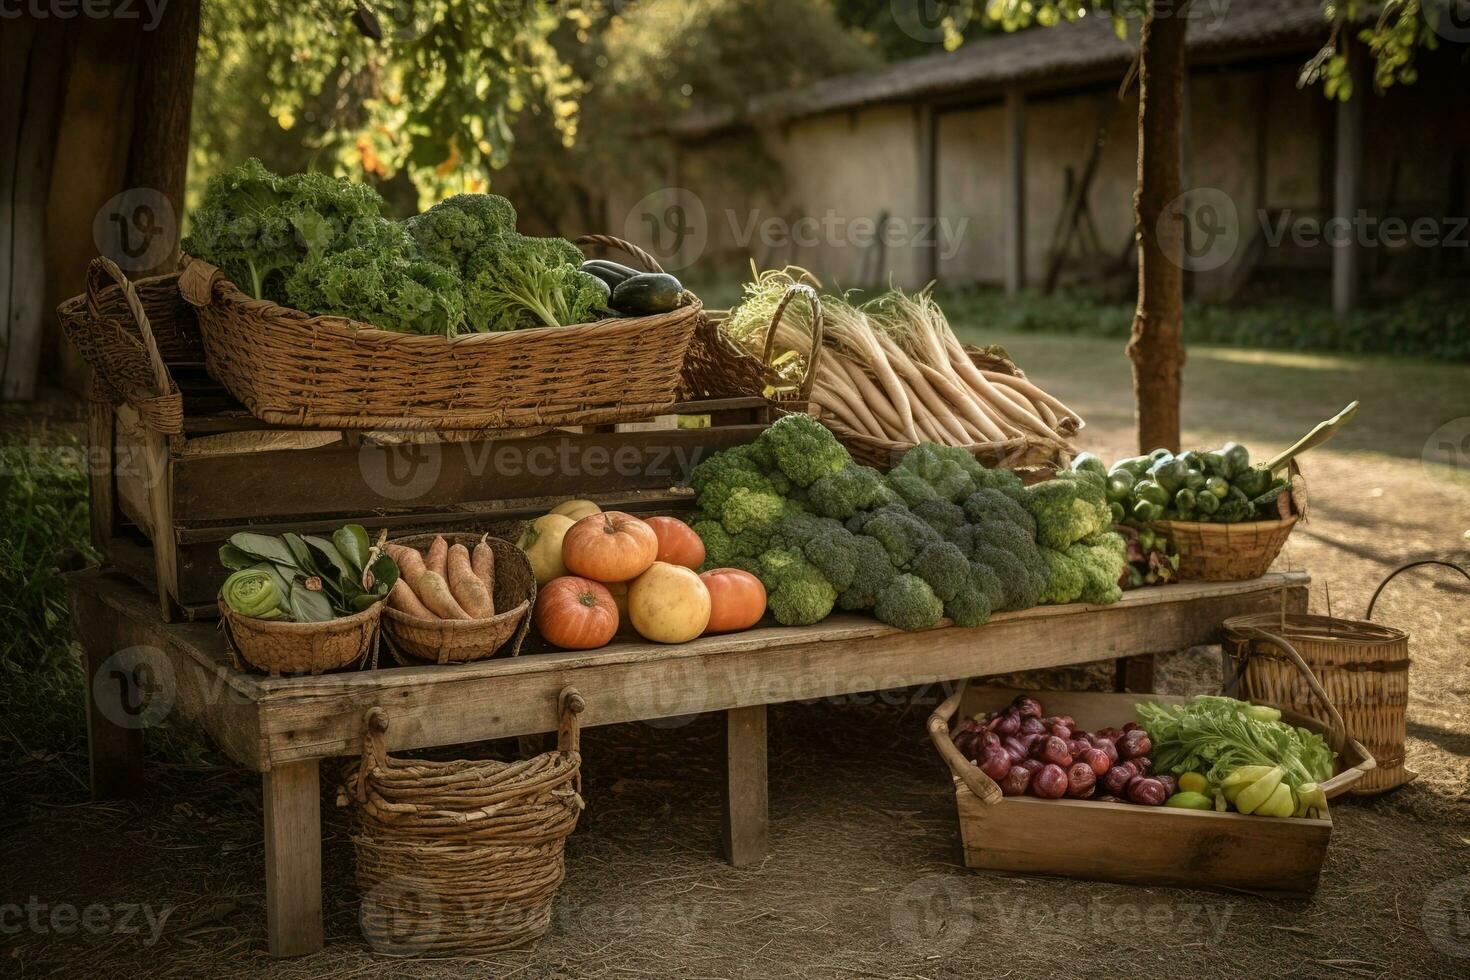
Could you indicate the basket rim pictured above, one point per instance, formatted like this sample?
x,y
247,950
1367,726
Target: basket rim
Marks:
x,y
288,627
348,329
1207,526
1360,631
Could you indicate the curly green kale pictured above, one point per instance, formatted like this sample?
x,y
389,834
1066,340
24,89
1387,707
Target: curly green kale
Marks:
x,y
944,567
872,572
851,489
900,533
513,281
989,504
801,448
389,289
909,604
941,515
1064,578
1102,559
1068,508
455,228
797,594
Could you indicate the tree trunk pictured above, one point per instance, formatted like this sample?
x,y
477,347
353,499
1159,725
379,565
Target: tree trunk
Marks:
x,y
1156,347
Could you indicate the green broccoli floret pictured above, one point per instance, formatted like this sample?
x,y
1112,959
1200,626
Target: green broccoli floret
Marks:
x,y
900,533
1068,508
988,584
851,489
1064,578
988,504
947,471
452,230
722,549
797,594
802,448
944,567
1102,559
1006,481
834,552
963,538
872,571
909,604
1008,551
971,607
748,510
715,478
384,286
941,515
513,281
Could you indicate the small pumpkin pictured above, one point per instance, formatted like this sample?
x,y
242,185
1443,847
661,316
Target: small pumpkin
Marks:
x,y
576,509
677,542
576,613
737,599
609,547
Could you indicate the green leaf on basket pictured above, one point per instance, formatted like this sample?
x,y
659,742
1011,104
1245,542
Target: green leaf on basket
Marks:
x,y
353,543
263,547
308,606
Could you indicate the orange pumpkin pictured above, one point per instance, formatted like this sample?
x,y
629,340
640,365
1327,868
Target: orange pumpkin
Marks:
x,y
609,547
677,542
576,613
737,599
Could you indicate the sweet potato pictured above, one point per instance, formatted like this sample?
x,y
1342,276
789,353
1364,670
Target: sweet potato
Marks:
x,y
403,599
434,592
467,590
436,559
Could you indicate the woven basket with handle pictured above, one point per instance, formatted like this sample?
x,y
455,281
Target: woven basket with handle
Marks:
x,y
465,856
290,368
439,641
1235,552
281,648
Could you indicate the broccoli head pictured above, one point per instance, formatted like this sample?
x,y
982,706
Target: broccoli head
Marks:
x,y
802,448
851,489
1068,508
872,571
963,538
1064,578
716,477
947,471
797,594
834,553
1102,559
748,510
988,505
900,533
941,515
971,607
909,604
988,584
944,567
513,281
1021,572
452,230
1006,481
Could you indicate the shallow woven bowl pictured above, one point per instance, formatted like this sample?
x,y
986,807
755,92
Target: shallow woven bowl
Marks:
x,y
438,641
301,648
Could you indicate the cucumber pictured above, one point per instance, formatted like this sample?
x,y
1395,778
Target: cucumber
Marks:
x,y
647,293
609,272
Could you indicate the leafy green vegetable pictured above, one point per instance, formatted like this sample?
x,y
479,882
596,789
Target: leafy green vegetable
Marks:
x,y
384,285
1217,735
305,578
513,281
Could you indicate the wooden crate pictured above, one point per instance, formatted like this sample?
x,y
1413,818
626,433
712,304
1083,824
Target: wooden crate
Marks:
x,y
1131,844
163,505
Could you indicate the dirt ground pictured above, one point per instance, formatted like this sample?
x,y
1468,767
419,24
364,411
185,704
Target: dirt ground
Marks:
x,y
864,877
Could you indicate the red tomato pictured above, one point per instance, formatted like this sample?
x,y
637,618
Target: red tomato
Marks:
x,y
737,599
677,542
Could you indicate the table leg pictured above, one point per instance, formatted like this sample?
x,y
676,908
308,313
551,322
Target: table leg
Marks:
x,y
747,820
293,858
114,721
1134,674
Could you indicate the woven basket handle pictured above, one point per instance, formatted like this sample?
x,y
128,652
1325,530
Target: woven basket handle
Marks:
x,y
800,289
197,282
99,271
607,241
1404,568
1337,728
965,771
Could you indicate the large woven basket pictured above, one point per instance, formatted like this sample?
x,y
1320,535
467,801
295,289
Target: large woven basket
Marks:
x,y
1235,552
1363,665
279,648
438,641
462,857
290,368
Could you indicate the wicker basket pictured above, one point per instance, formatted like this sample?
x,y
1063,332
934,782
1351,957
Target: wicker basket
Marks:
x,y
290,368
1362,664
127,333
438,641
1234,552
462,857
279,648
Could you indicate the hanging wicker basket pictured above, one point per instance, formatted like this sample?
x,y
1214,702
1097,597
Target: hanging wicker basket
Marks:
x,y
291,368
462,857
438,641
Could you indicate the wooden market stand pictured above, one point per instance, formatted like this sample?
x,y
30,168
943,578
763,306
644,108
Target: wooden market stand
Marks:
x,y
283,727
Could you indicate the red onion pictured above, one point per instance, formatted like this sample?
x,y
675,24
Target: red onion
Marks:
x,y
1097,760
1027,707
1050,783
1116,779
1016,782
1147,792
1081,781
996,764
1134,743
1054,751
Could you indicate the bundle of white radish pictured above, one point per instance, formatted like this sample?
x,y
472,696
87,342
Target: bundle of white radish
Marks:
x,y
448,582
892,368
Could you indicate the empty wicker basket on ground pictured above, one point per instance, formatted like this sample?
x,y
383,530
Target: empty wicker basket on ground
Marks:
x,y
291,368
463,857
465,641
1364,667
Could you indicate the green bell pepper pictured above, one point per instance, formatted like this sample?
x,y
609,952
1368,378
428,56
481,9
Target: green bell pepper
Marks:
x,y
1254,481
1194,459
1159,454
1237,458
1119,485
1184,502
1147,510
1115,508
1214,464
1134,466
1170,474
1207,503
1194,479
1218,486
1152,492
1089,462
